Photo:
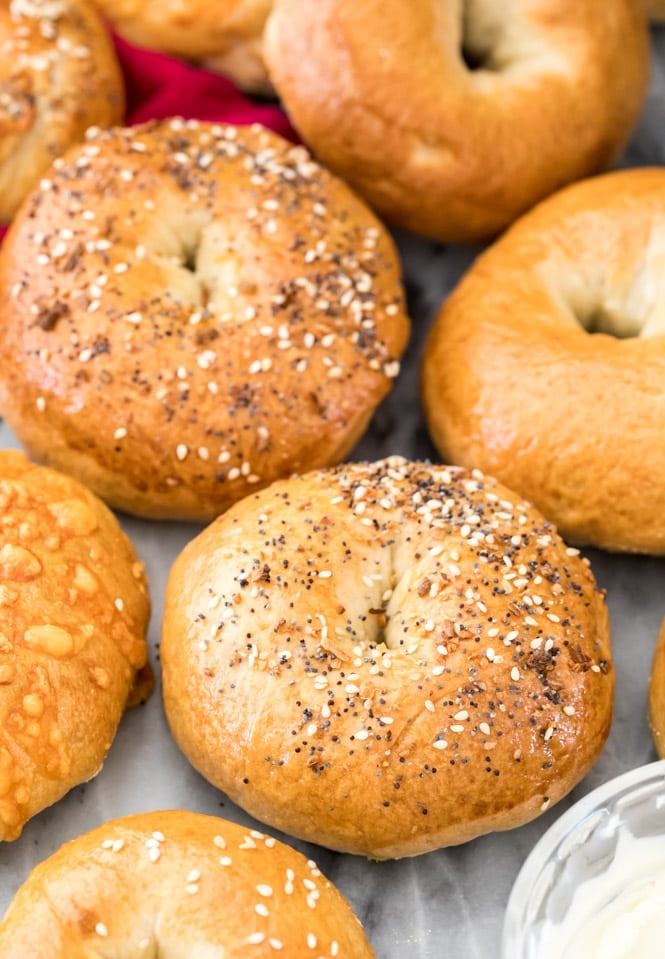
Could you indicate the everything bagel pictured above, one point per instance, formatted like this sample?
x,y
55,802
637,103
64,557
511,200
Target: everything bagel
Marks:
x,y
453,118
177,884
189,311
58,76
546,365
387,658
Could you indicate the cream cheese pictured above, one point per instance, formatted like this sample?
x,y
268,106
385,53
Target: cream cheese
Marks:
x,y
619,914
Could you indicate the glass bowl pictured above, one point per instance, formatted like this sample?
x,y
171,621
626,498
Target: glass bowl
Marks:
x,y
581,870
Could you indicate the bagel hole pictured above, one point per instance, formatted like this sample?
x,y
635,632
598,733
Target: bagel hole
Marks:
x,y
599,321
588,298
479,37
475,60
189,261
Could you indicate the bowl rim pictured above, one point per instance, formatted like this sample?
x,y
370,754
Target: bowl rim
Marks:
x,y
560,829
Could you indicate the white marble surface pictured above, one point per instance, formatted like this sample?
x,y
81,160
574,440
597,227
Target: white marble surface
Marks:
x,y
449,903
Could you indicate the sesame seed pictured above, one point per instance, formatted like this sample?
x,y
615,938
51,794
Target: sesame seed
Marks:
x,y
256,938
440,744
181,451
101,929
515,674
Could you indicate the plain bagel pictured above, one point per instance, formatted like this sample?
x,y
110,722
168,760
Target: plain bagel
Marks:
x,y
73,614
382,92
387,658
58,76
223,35
189,311
177,884
546,366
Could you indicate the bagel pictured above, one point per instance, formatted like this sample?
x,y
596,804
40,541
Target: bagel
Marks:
x,y
657,695
386,658
383,94
189,311
546,365
178,884
58,76
225,36
656,10
73,614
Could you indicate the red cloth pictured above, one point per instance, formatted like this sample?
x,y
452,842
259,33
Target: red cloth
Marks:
x,y
158,86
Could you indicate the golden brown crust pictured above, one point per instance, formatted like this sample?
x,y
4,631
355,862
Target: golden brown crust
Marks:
x,y
58,76
381,92
514,384
179,884
657,695
655,10
387,658
73,614
191,311
224,35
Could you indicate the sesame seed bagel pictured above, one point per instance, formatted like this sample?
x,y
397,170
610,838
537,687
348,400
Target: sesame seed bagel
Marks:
x,y
73,614
176,884
225,36
58,76
387,658
657,695
190,311
546,365
453,118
